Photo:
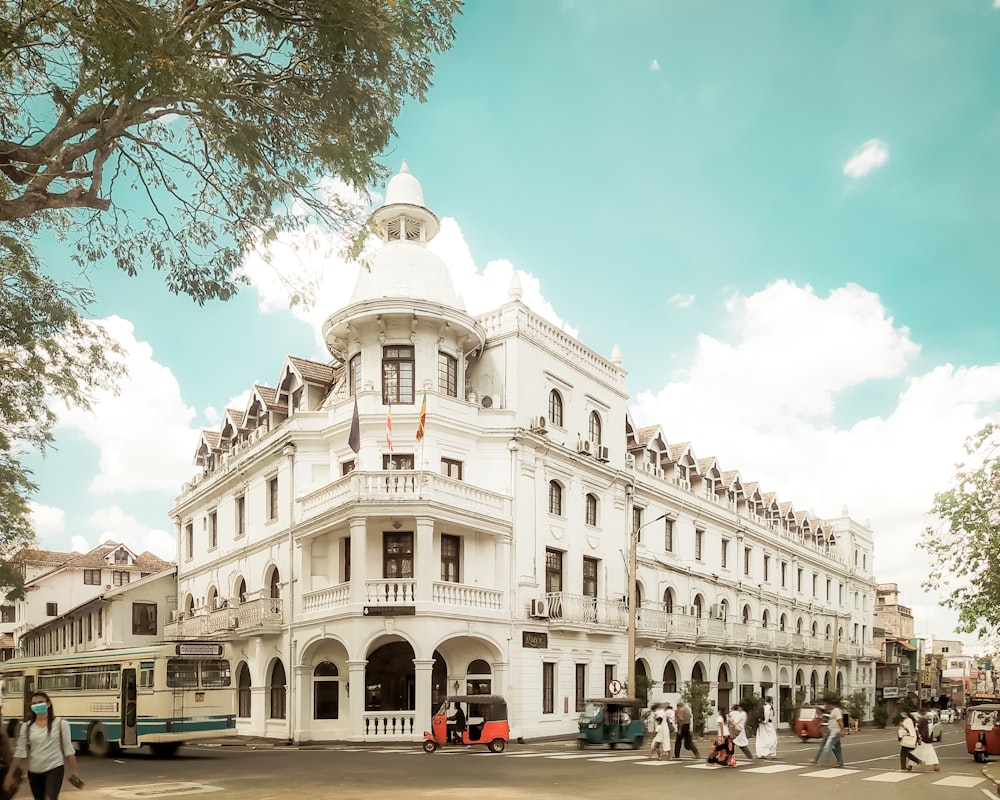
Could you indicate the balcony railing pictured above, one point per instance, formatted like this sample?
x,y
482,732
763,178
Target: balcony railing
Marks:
x,y
264,612
391,487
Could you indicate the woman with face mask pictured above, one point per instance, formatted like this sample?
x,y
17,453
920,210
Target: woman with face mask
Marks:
x,y
45,743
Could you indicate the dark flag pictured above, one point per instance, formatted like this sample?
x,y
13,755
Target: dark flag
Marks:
x,y
354,440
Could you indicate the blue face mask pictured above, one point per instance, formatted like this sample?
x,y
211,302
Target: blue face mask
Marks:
x,y
40,708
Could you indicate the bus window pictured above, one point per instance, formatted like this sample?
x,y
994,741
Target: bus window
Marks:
x,y
13,684
215,674
101,676
182,673
146,675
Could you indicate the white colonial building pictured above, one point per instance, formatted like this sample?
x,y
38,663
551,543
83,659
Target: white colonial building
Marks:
x,y
360,585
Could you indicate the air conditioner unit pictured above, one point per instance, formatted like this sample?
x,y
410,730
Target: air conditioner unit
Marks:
x,y
601,452
583,446
714,612
629,460
539,424
539,608
490,401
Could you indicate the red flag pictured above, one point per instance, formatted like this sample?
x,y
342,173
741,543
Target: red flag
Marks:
x,y
354,440
388,428
423,418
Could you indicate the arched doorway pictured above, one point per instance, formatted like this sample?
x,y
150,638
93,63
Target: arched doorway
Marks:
x,y
725,692
389,678
670,677
326,691
243,694
277,686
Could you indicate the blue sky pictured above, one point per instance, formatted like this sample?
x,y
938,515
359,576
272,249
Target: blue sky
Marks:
x,y
785,214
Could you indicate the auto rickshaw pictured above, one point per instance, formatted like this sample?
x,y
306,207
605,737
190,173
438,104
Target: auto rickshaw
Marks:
x,y
610,721
485,723
810,722
982,731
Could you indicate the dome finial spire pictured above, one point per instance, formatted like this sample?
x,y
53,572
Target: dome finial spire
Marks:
x,y
405,168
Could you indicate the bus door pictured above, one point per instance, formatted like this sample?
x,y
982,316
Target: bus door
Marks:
x,y
130,710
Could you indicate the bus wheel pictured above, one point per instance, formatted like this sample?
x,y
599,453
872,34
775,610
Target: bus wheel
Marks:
x,y
164,749
98,743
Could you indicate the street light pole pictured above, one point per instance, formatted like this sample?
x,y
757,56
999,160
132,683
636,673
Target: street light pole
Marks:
x,y
632,589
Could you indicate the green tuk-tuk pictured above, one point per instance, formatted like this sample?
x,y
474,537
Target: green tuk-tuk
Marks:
x,y
612,720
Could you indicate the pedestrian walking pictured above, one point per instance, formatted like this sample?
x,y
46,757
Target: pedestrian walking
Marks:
x,y
832,735
723,752
767,734
660,746
738,731
45,745
906,733
683,718
925,744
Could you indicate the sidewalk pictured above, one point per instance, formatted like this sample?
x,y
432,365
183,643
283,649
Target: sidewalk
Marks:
x,y
992,773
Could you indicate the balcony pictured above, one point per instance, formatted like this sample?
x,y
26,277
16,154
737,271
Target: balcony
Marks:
x,y
261,616
384,489
444,597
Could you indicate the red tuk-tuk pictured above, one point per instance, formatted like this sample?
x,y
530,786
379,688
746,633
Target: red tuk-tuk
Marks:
x,y
810,722
485,723
982,731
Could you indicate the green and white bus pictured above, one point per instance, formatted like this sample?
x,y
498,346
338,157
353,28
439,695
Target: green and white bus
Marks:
x,y
159,696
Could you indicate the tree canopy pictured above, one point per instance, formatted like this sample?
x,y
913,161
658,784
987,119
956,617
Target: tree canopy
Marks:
x,y
175,135
966,546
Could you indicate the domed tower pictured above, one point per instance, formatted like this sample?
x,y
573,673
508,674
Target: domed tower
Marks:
x,y
405,329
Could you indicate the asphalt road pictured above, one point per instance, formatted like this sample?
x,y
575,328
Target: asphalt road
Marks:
x,y
535,770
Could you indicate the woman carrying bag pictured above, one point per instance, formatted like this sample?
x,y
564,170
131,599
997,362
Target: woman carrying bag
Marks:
x,y
45,743
907,735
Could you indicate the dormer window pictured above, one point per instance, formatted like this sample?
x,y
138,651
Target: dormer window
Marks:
x,y
121,556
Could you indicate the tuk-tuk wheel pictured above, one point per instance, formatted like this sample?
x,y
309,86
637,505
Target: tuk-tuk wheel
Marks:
x,y
580,743
979,757
429,746
497,746
804,738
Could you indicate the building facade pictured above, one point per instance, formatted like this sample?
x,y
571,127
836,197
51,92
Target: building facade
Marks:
x,y
448,506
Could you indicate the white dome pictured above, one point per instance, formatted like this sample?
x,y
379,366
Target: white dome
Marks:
x,y
404,188
403,270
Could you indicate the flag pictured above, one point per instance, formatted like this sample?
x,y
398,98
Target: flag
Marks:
x,y
423,418
388,428
354,440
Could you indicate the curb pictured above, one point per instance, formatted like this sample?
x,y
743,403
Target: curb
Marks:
x,y
987,773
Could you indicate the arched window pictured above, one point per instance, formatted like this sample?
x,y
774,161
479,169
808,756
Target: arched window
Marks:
x,y
746,615
188,607
668,601
326,691
765,617
798,625
555,498
241,590
595,428
555,408
670,677
782,622
276,691
478,678
243,693
591,511
698,602
827,631
274,585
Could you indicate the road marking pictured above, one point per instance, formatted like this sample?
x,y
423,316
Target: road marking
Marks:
x,y
965,781
890,777
612,759
173,789
775,768
829,773
569,756
655,763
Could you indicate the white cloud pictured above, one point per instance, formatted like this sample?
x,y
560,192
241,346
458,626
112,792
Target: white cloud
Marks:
x,y
681,300
312,261
766,404
655,66
113,524
870,156
48,522
144,432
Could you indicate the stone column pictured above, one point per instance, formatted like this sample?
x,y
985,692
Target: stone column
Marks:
x,y
423,676
423,557
303,703
356,702
359,572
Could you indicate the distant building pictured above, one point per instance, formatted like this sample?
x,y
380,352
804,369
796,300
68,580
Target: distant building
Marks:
x,y
447,507
57,582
